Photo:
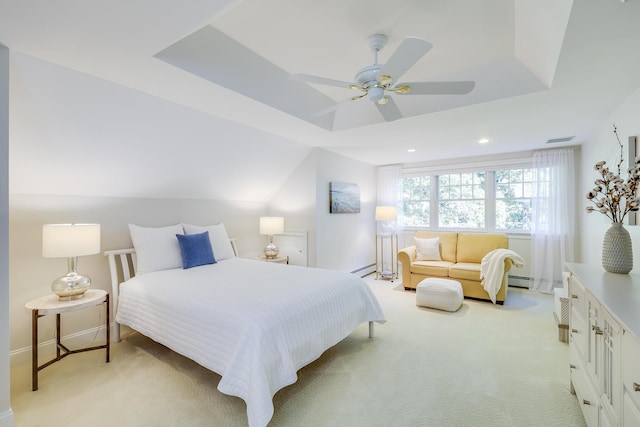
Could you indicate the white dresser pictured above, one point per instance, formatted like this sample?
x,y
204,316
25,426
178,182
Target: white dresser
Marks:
x,y
604,349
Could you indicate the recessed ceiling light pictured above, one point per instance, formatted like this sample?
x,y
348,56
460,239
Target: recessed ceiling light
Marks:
x,y
411,150
483,141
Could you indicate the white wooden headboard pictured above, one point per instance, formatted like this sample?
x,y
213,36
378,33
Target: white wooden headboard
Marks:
x,y
122,267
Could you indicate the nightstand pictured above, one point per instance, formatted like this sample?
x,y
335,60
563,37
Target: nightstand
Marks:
x,y
50,304
278,259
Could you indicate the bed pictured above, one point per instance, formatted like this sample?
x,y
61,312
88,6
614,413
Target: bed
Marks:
x,y
254,323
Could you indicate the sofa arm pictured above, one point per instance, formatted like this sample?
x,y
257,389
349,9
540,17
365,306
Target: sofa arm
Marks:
x,y
508,263
406,256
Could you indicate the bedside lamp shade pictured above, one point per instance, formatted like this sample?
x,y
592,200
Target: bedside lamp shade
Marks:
x,y
386,213
70,241
271,225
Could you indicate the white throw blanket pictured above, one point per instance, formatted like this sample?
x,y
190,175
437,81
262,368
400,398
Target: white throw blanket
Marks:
x,y
492,269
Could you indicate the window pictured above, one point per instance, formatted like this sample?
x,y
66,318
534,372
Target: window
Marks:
x,y
493,199
416,196
461,200
514,189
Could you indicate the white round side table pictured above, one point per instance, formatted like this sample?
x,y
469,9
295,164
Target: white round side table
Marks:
x,y
51,304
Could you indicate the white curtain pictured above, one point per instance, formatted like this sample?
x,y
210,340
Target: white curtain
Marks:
x,y
389,189
553,217
389,194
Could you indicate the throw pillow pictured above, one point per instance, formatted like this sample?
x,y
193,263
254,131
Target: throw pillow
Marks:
x,y
196,249
156,247
220,242
427,249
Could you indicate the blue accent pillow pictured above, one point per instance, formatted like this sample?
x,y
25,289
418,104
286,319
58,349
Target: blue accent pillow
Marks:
x,y
196,249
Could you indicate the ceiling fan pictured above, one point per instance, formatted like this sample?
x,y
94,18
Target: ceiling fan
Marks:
x,y
376,81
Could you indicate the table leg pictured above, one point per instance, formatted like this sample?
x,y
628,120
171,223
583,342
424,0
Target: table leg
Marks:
x,y
34,350
58,342
108,327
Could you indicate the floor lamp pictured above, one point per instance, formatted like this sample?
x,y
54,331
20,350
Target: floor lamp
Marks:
x,y
386,217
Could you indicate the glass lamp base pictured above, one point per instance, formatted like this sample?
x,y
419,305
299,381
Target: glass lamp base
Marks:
x,y
271,251
71,286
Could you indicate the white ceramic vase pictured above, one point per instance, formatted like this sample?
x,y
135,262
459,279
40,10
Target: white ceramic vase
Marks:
x,y
617,251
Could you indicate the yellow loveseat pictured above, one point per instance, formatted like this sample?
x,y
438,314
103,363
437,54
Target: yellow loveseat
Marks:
x,y
461,254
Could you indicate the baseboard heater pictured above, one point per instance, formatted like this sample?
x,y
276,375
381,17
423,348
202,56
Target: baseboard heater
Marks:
x,y
519,281
364,271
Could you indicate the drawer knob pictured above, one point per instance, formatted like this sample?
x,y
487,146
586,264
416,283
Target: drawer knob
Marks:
x,y
636,387
586,402
574,296
575,331
597,329
572,366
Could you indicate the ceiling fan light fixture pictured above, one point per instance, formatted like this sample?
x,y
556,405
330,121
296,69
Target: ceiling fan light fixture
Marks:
x,y
383,101
376,94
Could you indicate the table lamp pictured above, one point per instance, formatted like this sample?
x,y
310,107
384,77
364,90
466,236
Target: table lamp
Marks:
x,y
70,241
271,225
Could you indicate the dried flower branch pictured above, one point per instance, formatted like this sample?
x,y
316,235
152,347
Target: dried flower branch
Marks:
x,y
613,196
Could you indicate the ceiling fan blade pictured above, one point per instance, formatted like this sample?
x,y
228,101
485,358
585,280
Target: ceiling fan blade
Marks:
x,y
390,110
438,88
411,49
322,81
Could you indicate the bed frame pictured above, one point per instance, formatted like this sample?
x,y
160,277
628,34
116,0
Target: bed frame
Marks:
x,y
122,266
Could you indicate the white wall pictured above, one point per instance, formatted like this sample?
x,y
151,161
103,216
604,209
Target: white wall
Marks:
x,y
339,241
345,241
603,146
296,202
6,414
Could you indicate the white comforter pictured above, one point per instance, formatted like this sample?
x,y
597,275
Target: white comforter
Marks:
x,y
254,323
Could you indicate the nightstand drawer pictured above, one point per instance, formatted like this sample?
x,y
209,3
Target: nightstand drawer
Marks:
x,y
631,366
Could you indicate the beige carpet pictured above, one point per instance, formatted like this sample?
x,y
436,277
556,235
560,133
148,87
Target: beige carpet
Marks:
x,y
484,365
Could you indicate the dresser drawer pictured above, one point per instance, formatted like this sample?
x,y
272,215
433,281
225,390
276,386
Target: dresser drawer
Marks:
x,y
630,412
579,334
577,296
631,366
586,395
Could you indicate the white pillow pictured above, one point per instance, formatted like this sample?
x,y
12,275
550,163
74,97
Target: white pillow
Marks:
x,y
427,249
220,242
157,248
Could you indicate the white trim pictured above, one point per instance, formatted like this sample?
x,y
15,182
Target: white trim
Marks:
x,y
470,164
6,418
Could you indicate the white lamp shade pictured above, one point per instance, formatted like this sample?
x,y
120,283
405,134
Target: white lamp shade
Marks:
x,y
271,225
70,240
386,213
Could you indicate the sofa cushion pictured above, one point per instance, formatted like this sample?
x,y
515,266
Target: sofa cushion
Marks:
x,y
473,246
431,268
448,243
465,270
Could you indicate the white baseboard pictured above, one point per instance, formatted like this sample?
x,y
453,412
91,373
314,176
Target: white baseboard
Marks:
x,y
72,341
6,418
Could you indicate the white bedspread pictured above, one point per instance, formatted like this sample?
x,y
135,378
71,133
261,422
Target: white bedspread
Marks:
x,y
492,269
254,323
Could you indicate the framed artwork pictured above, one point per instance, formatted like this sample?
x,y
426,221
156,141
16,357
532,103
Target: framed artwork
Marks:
x,y
344,197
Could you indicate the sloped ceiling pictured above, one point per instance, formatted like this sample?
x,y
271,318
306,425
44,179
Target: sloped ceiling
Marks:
x,y
544,69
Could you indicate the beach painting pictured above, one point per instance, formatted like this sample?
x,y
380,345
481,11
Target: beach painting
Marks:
x,y
344,197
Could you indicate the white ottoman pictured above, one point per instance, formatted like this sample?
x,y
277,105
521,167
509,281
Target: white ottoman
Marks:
x,y
442,294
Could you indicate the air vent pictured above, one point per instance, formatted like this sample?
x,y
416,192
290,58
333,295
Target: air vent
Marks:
x,y
557,140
